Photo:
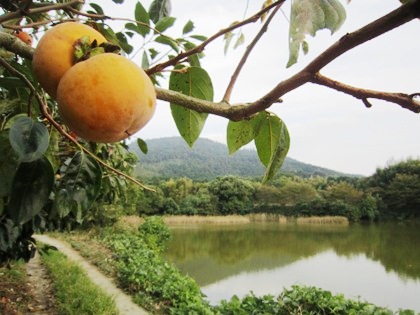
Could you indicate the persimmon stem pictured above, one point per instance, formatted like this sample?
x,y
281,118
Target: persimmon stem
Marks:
x,y
44,110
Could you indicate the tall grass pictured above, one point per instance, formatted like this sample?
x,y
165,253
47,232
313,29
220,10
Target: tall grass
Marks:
x,y
74,292
255,217
184,219
323,220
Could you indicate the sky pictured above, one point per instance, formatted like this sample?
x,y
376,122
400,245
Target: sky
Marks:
x,y
327,128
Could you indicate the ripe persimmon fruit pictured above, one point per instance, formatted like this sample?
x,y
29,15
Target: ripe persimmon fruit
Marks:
x,y
106,98
54,54
24,37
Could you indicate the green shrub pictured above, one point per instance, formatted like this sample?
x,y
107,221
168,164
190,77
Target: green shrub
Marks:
x,y
154,283
302,301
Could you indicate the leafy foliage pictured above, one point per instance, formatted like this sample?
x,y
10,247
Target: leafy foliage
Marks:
x,y
148,277
309,16
301,300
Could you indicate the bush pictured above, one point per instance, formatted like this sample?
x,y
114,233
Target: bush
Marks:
x,y
154,283
302,301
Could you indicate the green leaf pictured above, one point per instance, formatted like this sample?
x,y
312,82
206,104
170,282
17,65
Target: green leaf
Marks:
x,y
159,9
53,148
97,8
272,143
309,16
164,23
141,15
240,133
31,188
29,139
167,41
188,27
82,182
9,162
194,82
142,145
194,60
123,43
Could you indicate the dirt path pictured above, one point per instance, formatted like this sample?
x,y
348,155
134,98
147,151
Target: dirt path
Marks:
x,y
122,300
40,286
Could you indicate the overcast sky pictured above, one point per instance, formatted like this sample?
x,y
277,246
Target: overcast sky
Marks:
x,y
327,128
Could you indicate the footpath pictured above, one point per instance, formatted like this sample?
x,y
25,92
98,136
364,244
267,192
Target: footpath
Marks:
x,y
122,300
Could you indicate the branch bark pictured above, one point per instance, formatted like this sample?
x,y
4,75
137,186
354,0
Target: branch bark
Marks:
x,y
404,100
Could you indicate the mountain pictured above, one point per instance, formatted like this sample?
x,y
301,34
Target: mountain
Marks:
x,y
172,157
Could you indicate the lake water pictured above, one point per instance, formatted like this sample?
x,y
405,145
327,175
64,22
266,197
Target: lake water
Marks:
x,y
379,263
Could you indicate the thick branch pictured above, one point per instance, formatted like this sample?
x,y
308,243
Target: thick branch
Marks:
x,y
404,100
14,44
19,13
396,18
202,46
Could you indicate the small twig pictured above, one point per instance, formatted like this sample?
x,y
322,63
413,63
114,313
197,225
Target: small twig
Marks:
x,y
404,100
199,48
229,89
44,110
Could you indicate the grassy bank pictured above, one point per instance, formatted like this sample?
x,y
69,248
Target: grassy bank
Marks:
x,y
74,292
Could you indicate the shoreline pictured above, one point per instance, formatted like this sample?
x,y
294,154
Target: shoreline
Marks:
x,y
242,219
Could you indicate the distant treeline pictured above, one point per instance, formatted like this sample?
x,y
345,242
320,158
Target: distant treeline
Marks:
x,y
391,193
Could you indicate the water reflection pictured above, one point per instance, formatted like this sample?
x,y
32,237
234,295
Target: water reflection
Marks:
x,y
380,263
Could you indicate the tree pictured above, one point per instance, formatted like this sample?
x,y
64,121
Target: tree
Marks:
x,y
233,195
46,173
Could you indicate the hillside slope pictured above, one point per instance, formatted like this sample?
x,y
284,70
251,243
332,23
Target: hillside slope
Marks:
x,y
171,157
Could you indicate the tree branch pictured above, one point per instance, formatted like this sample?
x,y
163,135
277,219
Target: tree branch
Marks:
x,y
229,89
404,100
396,18
19,13
14,44
202,46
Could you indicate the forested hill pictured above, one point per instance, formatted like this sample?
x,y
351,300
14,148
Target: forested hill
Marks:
x,y
172,157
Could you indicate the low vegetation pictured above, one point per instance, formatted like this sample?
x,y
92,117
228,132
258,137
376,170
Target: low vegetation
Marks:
x,y
74,292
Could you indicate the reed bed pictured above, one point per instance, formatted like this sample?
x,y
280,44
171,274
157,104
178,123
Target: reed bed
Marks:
x,y
336,220
134,221
197,219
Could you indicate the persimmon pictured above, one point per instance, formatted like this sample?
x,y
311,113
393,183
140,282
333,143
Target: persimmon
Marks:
x,y
106,98
24,37
54,54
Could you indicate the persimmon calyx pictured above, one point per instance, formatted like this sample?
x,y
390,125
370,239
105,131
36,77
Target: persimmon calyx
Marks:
x,y
84,49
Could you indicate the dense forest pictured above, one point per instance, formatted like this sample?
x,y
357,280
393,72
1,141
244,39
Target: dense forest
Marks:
x,y
391,193
172,157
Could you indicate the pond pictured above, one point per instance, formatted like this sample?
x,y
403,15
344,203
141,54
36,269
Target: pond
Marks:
x,y
379,263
